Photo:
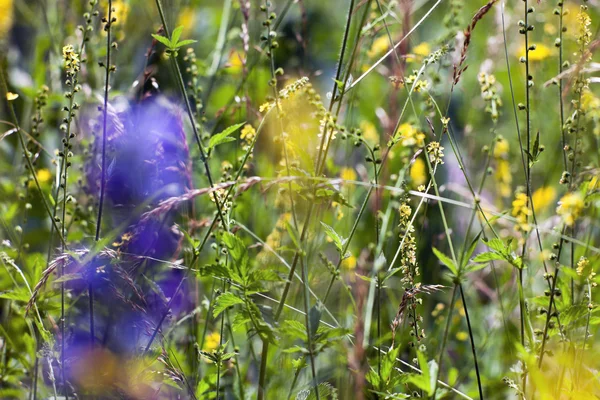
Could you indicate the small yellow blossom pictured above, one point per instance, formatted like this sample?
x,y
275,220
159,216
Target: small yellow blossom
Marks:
x,y
339,212
462,336
265,107
421,188
379,46
436,153
348,174
10,96
418,172
71,59
584,34
349,263
570,207
187,19
236,62
43,175
543,197
369,132
521,211
540,53
409,136
248,132
6,17
212,341
421,50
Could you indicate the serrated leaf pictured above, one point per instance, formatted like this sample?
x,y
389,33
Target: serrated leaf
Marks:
x,y
176,34
223,137
487,257
445,260
185,42
162,40
314,317
224,301
495,244
334,236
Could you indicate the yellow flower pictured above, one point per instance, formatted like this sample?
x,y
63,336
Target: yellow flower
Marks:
x,y
540,53
369,132
349,263
521,211
348,174
248,133
236,62
43,175
6,17
265,107
10,96
462,336
379,46
409,136
187,19
418,172
436,153
543,197
212,341
584,34
423,49
501,148
570,207
70,59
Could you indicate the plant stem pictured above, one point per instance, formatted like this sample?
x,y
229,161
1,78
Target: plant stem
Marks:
x,y
473,350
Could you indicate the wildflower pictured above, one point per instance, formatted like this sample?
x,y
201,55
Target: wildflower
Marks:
x,y
503,175
570,207
418,172
248,132
584,34
369,132
349,263
43,175
236,62
445,121
436,153
543,197
489,94
212,341
410,136
6,17
521,211
539,53
421,188
421,50
462,336
379,46
348,174
10,96
71,59
265,107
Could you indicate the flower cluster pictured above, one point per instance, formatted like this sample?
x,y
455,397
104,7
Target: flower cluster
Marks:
x,y
70,59
436,153
489,93
570,207
521,211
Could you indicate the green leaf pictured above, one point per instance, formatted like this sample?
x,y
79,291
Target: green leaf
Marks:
x,y
223,137
445,260
185,42
495,244
293,234
475,267
162,40
225,301
176,35
487,257
333,235
314,317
